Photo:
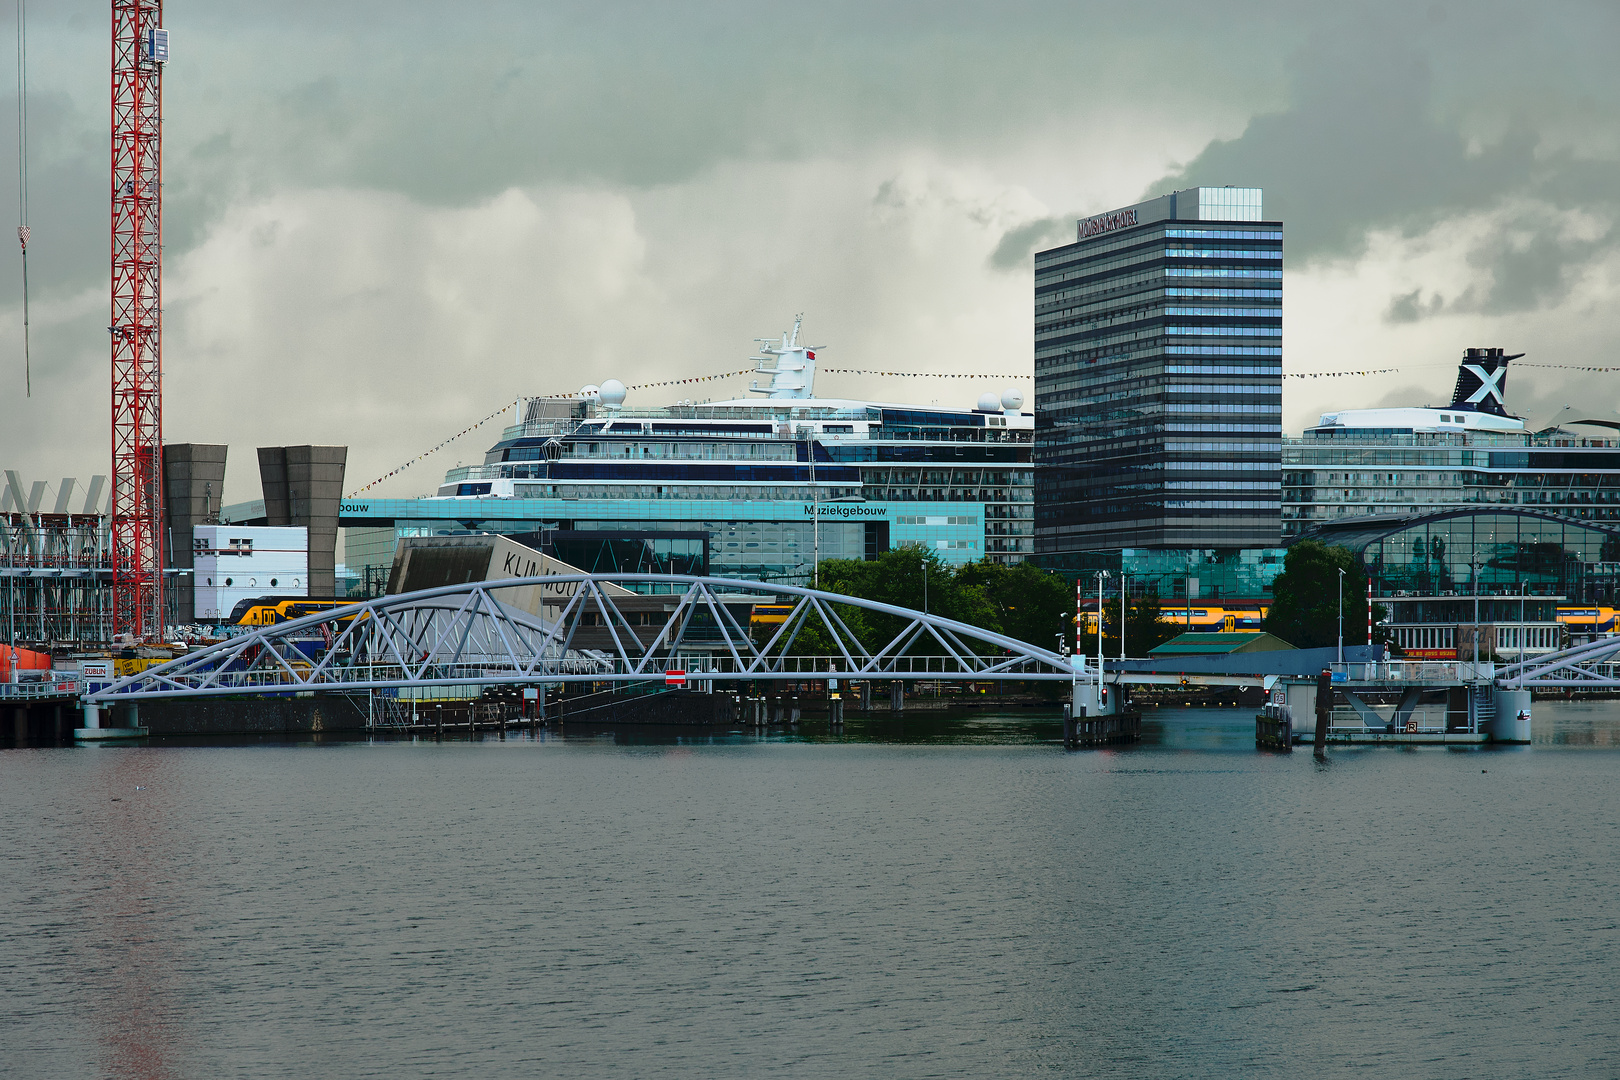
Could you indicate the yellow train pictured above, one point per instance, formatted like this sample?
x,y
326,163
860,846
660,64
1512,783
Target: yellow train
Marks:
x,y
1588,621
769,614
269,610
1202,618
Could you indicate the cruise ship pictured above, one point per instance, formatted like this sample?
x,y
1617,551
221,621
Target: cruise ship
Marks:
x,y
763,487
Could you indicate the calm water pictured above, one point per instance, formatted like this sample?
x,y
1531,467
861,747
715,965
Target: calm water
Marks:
x,y
948,898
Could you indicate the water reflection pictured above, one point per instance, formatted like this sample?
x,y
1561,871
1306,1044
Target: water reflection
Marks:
x,y
127,887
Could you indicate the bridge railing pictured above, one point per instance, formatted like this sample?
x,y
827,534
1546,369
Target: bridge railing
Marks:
x,y
464,635
1439,672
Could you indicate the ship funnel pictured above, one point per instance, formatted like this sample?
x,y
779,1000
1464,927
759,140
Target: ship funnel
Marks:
x,y
1482,381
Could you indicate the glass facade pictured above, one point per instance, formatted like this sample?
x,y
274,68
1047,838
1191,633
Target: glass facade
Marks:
x,y
1493,552
1173,574
1158,378
1337,473
770,541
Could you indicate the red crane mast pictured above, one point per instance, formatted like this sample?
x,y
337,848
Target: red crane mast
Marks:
x,y
139,49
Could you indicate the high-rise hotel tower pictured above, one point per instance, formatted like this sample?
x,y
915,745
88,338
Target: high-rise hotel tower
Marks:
x,y
1158,377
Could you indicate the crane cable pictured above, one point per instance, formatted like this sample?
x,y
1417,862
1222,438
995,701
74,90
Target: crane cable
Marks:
x,y
22,178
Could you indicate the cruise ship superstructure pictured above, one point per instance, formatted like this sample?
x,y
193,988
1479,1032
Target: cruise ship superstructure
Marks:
x,y
761,487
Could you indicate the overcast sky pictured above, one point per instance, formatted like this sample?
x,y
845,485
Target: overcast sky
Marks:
x,y
385,219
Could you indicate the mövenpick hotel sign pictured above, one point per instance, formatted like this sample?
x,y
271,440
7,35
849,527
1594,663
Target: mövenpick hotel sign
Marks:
x,y
1104,223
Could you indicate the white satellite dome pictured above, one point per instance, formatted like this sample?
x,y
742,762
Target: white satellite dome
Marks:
x,y
591,392
988,402
1012,399
612,393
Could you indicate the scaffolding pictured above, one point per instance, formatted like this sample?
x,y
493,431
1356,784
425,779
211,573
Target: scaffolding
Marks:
x,y
57,577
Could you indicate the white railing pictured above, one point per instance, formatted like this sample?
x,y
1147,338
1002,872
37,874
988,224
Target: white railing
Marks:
x,y
1438,672
60,684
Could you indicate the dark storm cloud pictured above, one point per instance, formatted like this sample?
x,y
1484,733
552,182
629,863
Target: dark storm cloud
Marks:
x,y
1410,117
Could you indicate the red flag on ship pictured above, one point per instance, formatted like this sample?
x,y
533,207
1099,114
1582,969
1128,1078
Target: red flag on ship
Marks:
x,y
809,355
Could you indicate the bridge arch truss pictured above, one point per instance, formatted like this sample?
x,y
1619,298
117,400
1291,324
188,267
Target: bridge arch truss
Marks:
x,y
1592,666
466,635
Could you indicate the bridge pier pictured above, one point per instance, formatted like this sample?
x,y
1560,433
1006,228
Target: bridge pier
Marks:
x,y
897,696
835,711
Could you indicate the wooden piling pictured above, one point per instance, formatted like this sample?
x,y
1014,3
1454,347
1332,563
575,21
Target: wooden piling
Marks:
x,y
1324,708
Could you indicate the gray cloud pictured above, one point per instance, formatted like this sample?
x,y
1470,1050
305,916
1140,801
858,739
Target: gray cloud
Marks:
x,y
1019,245
421,212
1396,123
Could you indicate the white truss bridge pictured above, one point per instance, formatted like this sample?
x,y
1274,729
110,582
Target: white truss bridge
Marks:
x,y
465,636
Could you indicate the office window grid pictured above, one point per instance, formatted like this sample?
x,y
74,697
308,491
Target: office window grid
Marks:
x,y
1106,332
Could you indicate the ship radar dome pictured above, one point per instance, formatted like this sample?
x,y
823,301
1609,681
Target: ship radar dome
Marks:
x,y
1012,399
613,392
988,402
591,392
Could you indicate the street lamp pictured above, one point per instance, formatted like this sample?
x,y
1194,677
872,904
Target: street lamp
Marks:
x,y
1341,615
1476,568
1124,580
1063,638
1101,575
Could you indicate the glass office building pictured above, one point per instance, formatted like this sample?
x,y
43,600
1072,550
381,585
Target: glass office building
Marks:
x,y
1158,378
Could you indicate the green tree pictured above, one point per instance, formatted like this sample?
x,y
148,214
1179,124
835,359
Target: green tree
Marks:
x,y
1305,597
1028,603
910,577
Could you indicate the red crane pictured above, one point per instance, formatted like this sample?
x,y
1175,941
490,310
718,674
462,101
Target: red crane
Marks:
x,y
140,47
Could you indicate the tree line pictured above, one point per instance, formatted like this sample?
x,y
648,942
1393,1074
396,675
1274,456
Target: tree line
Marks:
x,y
1024,602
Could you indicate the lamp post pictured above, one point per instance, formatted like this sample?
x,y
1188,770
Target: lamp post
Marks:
x,y
1124,580
1341,616
1101,575
1475,566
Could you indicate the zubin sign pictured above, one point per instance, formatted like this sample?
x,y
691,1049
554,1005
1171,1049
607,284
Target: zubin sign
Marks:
x,y
1102,223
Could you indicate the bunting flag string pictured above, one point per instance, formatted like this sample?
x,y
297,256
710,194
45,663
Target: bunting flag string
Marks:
x,y
919,374
436,449
680,382
654,385
1569,367
1003,376
1337,374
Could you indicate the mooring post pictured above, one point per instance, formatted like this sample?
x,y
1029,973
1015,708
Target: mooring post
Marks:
x,y
1068,726
897,696
1324,707
793,710
835,710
